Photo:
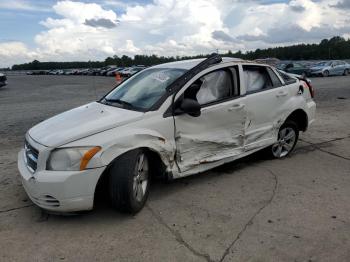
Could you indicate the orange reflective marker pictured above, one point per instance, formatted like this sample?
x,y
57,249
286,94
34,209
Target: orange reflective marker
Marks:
x,y
87,156
118,78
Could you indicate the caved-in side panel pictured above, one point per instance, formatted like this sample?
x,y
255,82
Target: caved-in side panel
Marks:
x,y
217,134
157,144
266,112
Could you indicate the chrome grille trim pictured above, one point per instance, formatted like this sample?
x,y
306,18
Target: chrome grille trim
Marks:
x,y
31,156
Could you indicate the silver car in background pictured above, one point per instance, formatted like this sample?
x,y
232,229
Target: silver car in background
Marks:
x,y
3,79
328,68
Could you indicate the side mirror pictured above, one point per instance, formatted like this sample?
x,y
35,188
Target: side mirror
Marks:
x,y
189,106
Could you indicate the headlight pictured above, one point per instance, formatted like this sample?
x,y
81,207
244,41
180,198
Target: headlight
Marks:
x,y
71,159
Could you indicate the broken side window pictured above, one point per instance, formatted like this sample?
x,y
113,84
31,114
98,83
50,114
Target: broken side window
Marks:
x,y
256,78
214,86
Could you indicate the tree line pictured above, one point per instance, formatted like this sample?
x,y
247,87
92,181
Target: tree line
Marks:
x,y
334,48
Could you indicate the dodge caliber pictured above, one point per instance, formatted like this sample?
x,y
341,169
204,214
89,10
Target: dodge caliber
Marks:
x,y
171,120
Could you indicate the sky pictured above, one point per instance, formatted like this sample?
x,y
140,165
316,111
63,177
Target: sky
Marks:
x,y
82,30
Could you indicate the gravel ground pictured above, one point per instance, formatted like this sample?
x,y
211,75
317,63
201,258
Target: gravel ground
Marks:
x,y
297,209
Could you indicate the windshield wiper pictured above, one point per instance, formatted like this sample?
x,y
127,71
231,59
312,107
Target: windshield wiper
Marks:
x,y
118,101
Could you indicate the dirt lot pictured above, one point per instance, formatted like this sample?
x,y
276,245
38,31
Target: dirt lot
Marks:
x,y
297,209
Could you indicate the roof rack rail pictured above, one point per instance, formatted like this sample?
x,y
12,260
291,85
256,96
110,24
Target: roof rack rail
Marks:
x,y
214,58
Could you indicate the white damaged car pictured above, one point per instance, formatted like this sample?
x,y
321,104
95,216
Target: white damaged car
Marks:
x,y
171,120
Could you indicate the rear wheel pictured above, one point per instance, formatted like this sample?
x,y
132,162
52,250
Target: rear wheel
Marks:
x,y
325,73
129,181
346,72
287,138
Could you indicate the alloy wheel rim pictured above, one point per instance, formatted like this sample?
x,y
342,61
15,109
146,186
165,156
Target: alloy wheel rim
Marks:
x,y
140,182
285,142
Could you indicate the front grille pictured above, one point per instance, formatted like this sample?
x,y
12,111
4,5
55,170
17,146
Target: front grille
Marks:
x,y
31,156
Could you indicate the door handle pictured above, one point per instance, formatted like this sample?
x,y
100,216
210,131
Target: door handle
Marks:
x,y
236,107
280,94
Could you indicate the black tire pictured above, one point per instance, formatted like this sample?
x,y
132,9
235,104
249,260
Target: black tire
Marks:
x,y
346,72
325,73
123,173
288,125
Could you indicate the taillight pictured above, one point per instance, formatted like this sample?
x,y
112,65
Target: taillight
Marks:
x,y
307,84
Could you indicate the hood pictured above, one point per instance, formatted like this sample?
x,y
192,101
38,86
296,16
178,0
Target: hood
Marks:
x,y
80,122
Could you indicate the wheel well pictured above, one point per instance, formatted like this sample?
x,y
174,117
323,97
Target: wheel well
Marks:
x,y
157,167
300,118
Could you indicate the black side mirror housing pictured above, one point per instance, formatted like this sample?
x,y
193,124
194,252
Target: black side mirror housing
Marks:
x,y
188,106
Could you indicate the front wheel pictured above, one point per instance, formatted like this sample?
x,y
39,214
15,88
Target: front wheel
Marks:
x,y
129,181
346,72
325,73
287,138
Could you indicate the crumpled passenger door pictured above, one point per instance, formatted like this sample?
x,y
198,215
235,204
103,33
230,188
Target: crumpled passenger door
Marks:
x,y
218,133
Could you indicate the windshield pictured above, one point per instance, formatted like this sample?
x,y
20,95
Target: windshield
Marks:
x,y
281,66
143,90
323,64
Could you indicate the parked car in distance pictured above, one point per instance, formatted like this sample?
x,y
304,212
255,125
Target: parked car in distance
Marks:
x,y
38,72
69,72
171,120
125,71
3,80
293,68
56,72
129,71
329,68
136,69
114,71
104,71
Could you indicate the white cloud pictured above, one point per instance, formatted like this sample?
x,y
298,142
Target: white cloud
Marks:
x,y
78,12
89,31
22,5
15,52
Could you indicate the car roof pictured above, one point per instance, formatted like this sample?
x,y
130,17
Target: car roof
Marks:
x,y
188,64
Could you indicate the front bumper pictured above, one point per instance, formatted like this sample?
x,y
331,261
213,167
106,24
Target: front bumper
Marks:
x,y
61,191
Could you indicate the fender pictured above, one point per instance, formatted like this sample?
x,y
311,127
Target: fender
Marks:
x,y
115,142
141,138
